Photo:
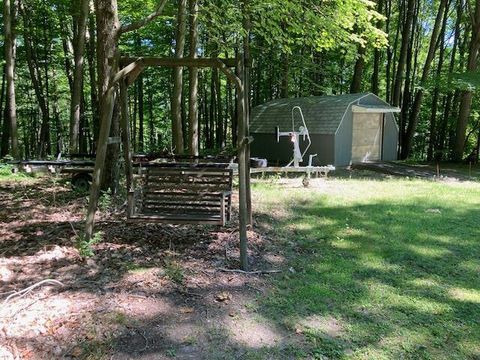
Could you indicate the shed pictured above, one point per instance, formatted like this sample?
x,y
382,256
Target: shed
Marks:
x,y
344,129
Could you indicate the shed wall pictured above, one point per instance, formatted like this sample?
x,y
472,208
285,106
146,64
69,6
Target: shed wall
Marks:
x,y
266,146
390,139
343,140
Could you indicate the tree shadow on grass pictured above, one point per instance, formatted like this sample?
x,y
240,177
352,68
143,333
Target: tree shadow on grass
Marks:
x,y
399,279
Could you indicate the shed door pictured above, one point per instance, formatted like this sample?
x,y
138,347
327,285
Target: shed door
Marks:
x,y
367,137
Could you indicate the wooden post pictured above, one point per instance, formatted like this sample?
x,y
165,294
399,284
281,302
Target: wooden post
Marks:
x,y
242,165
125,127
105,123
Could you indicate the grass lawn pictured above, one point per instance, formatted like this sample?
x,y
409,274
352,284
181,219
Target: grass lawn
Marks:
x,y
379,269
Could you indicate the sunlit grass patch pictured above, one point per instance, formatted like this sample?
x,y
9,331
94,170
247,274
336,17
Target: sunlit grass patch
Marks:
x,y
468,295
431,251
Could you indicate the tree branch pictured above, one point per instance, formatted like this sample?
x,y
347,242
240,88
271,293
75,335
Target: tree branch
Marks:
x,y
145,21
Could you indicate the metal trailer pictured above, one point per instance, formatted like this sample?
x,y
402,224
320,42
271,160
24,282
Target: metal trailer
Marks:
x,y
80,170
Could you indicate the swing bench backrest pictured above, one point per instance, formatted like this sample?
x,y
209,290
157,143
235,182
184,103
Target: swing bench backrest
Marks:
x,y
183,194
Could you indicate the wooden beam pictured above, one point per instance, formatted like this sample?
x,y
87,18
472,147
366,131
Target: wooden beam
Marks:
x,y
133,68
173,62
106,112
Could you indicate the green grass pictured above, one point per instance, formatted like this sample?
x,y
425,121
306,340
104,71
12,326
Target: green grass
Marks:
x,y
382,269
6,174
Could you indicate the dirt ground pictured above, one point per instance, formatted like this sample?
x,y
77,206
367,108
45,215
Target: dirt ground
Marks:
x,y
148,292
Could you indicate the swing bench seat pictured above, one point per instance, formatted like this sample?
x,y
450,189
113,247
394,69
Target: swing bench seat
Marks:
x,y
183,194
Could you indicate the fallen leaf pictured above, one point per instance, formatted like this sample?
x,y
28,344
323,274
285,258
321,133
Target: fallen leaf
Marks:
x,y
223,296
187,310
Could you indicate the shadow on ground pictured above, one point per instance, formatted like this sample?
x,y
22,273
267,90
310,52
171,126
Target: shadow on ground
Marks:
x,y
383,279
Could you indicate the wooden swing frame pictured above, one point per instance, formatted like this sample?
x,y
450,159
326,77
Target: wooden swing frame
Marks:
x,y
131,68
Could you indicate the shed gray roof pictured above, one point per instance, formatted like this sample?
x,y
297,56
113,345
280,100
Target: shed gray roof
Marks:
x,y
323,114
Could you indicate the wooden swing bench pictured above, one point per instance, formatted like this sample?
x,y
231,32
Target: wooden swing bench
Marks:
x,y
182,194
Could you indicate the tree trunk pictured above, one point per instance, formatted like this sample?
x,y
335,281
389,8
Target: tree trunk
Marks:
x,y
141,115
2,99
151,125
449,97
377,55
407,96
467,95
220,118
206,113
5,141
432,142
375,73
84,136
193,81
45,143
284,91
356,85
92,73
177,130
388,69
212,110
411,61
56,118
234,129
9,44
67,52
77,87
37,81
403,53
413,121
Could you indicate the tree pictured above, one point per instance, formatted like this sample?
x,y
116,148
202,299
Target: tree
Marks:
x,y
356,84
413,121
407,24
9,7
108,34
467,95
177,128
193,81
81,10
